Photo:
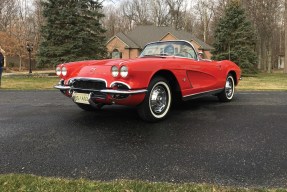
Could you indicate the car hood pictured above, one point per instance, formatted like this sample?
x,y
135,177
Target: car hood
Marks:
x,y
100,68
112,62
94,62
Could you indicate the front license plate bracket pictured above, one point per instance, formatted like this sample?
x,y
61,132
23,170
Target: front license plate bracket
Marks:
x,y
81,98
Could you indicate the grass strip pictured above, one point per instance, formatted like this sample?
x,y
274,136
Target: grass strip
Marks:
x,y
27,183
260,82
264,82
29,83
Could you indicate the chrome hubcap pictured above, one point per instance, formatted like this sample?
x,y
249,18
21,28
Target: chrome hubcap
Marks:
x,y
158,99
229,87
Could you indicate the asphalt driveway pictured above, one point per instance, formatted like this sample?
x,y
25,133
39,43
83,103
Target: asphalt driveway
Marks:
x,y
239,143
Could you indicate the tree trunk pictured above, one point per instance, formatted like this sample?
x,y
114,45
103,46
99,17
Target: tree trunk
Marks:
x,y
259,52
269,60
269,56
263,56
20,63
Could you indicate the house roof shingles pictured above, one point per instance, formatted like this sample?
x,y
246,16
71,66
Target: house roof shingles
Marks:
x,y
127,40
142,35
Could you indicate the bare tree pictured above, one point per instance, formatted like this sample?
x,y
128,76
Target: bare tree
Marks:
x,y
159,12
111,20
18,25
265,15
137,12
8,12
205,12
131,13
37,22
177,10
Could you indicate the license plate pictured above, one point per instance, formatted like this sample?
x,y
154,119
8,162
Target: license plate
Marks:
x,y
81,98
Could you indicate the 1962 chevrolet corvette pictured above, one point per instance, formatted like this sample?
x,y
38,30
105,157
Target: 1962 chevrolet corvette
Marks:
x,y
165,71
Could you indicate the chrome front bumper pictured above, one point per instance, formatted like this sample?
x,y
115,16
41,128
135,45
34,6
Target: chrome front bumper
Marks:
x,y
107,91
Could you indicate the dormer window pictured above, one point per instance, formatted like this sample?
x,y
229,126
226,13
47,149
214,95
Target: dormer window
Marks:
x,y
116,54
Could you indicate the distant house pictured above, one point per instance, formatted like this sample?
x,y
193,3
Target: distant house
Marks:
x,y
130,45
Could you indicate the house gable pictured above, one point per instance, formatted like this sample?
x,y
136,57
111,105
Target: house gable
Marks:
x,y
168,37
116,43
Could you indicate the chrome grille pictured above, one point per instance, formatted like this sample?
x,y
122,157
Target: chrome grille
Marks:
x,y
87,84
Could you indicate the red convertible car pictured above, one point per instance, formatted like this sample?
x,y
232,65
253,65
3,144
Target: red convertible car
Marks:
x,y
165,71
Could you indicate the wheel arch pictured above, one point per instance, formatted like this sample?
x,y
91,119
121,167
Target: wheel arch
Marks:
x,y
233,73
172,80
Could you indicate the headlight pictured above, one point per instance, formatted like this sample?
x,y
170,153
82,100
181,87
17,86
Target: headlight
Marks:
x,y
124,71
64,71
58,71
115,71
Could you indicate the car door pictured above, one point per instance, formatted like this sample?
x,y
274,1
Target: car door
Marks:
x,y
204,75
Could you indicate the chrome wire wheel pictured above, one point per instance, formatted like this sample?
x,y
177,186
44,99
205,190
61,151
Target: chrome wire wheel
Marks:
x,y
158,99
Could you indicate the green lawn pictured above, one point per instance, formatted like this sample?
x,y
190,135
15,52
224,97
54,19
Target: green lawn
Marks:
x,y
29,183
264,82
29,83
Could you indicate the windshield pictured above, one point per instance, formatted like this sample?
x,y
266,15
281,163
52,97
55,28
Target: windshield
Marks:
x,y
169,48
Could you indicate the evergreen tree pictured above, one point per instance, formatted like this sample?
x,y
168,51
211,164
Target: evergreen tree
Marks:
x,y
235,39
72,32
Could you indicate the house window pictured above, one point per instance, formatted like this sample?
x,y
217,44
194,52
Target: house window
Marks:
x,y
116,54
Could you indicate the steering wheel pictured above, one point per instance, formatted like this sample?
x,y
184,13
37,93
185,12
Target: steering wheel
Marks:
x,y
180,55
183,54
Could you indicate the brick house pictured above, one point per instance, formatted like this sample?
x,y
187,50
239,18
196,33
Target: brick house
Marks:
x,y
129,45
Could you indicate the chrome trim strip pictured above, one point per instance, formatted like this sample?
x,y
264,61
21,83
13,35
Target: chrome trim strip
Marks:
x,y
108,91
202,92
80,89
114,82
62,87
128,92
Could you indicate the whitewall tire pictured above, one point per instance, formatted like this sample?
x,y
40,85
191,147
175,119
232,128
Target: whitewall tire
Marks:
x,y
157,102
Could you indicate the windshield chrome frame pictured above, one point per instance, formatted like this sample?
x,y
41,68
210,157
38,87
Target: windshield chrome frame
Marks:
x,y
184,41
